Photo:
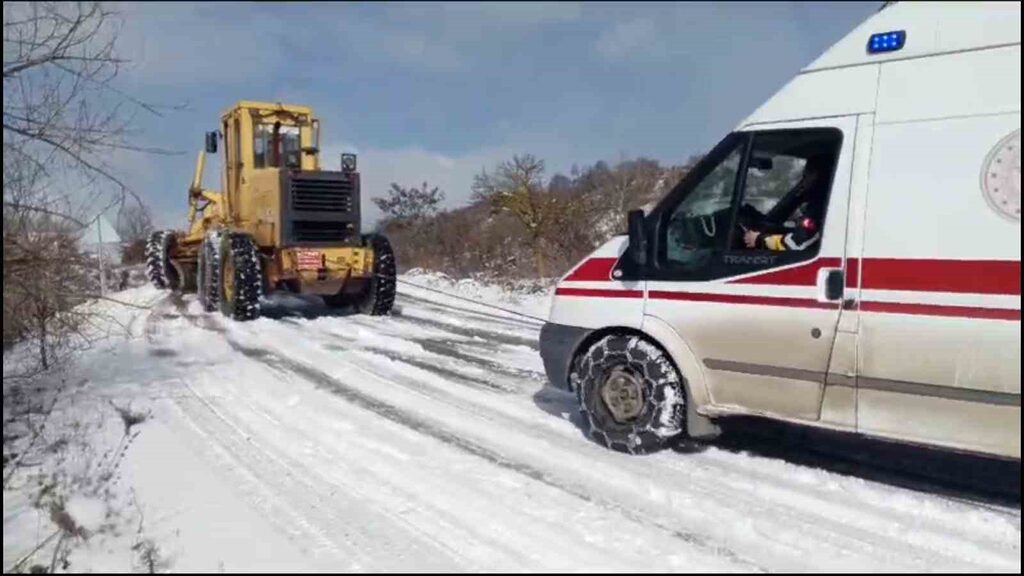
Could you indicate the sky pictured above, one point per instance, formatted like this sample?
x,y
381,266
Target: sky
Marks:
x,y
437,92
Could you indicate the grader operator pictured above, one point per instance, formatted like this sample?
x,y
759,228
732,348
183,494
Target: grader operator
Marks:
x,y
279,223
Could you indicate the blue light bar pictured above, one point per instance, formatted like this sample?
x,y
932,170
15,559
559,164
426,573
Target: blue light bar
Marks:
x,y
887,42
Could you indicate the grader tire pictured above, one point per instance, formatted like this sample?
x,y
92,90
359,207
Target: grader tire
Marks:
x,y
241,281
379,294
208,272
159,267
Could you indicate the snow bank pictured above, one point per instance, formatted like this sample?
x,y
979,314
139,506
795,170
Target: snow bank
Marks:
x,y
511,298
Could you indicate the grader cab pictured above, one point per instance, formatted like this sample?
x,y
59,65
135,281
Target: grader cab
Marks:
x,y
280,222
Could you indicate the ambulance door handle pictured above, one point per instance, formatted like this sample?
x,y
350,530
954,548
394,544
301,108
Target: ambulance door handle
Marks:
x,y
830,284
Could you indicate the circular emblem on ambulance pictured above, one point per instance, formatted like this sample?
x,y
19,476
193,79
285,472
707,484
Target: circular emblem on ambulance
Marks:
x,y
1000,177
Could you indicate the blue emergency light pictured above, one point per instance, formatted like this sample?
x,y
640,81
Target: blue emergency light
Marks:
x,y
887,42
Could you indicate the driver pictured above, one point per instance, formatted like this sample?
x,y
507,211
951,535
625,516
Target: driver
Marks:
x,y
811,194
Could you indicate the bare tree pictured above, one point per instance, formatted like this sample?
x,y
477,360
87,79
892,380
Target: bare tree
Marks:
x,y
63,120
410,222
632,180
62,109
517,188
410,204
134,223
519,227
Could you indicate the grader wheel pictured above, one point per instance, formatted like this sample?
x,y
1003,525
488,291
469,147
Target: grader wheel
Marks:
x,y
159,267
241,281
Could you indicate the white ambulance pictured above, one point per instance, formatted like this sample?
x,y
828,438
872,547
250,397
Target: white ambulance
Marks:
x,y
847,258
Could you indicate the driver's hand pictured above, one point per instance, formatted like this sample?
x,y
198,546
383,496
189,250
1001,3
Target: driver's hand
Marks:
x,y
750,238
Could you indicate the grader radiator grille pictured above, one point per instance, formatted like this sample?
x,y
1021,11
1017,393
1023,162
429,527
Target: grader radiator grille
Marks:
x,y
321,208
317,195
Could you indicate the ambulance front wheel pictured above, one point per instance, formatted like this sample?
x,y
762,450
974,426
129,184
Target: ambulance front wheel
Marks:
x,y
631,396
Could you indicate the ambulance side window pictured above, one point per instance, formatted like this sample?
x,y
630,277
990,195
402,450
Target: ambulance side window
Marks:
x,y
785,192
772,184
698,227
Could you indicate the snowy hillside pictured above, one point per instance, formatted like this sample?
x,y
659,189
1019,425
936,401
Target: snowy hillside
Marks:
x,y
425,441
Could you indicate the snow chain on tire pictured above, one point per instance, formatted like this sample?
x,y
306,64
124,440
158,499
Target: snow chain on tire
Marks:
x,y
379,296
208,271
159,268
241,280
660,415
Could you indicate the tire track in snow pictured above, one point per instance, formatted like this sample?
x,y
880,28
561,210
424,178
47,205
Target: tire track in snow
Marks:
x,y
843,537
801,511
451,349
424,364
260,489
448,349
792,508
489,454
450,309
292,486
454,350
427,428
268,481
455,309
329,340
480,531
485,334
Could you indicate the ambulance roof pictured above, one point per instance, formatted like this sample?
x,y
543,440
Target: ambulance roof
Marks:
x,y
844,79
931,28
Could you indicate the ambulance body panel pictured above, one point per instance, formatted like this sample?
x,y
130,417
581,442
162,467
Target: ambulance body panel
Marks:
x,y
920,339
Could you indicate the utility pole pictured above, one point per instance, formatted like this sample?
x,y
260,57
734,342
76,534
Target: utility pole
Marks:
x,y
103,275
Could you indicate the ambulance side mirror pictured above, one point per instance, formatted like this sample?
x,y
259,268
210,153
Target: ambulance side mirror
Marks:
x,y
637,249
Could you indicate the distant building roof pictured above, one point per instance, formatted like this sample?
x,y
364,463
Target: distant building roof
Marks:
x,y
99,232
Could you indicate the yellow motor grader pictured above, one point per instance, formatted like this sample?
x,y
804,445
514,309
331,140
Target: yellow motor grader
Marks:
x,y
279,223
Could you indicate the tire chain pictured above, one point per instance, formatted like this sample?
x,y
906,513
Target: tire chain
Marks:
x,y
380,297
663,417
245,256
158,266
209,269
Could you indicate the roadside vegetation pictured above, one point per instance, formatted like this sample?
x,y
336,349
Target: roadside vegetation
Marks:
x,y
64,119
522,223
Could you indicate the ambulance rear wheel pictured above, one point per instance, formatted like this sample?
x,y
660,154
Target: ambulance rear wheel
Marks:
x,y
631,396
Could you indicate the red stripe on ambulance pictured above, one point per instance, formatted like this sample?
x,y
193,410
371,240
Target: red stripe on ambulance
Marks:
x,y
599,293
743,299
593,270
1000,277
988,277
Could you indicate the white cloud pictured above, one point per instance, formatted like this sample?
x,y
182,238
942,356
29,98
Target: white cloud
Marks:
x,y
179,43
373,42
176,44
635,39
411,166
515,13
441,36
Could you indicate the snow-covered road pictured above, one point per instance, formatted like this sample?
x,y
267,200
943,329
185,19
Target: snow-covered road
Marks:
x,y
427,441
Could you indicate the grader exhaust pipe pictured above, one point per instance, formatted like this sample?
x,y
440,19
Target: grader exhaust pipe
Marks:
x,y
197,179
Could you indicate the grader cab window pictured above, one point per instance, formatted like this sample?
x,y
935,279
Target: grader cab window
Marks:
x,y
276,146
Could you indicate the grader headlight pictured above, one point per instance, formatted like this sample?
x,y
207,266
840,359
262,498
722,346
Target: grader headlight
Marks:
x,y
348,162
